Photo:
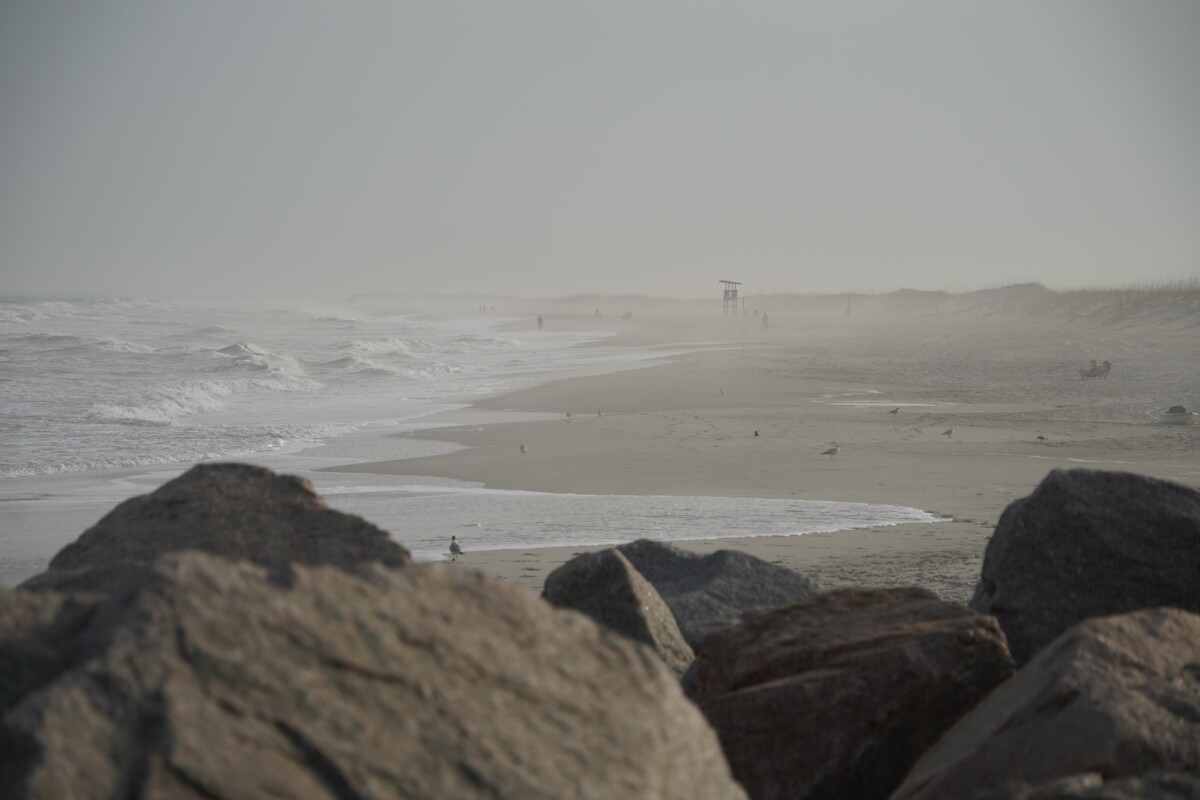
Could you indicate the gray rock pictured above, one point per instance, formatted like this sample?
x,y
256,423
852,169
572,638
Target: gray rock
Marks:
x,y
1089,544
233,510
606,587
36,635
1091,786
837,697
1115,695
209,679
707,593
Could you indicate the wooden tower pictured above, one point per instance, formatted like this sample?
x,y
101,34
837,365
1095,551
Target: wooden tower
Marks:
x,y
730,304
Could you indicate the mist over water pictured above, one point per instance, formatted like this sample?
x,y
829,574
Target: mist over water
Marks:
x,y
92,384
103,399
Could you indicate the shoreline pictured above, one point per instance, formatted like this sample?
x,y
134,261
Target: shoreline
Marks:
x,y
668,429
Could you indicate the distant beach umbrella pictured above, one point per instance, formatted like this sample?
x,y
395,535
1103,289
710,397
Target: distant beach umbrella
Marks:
x,y
455,549
948,432
524,449
833,451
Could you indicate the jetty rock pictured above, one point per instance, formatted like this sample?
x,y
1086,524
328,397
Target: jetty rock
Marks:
x,y
710,592
233,510
1092,786
207,678
606,587
1118,696
1088,543
838,696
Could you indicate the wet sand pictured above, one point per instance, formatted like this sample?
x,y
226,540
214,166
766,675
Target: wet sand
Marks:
x,y
812,381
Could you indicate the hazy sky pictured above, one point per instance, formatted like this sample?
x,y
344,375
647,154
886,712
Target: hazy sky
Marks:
x,y
549,148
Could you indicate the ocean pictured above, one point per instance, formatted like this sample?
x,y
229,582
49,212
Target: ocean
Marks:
x,y
105,398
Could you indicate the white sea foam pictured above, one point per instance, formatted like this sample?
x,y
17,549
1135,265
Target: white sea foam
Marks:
x,y
424,515
96,383
103,399
384,346
165,405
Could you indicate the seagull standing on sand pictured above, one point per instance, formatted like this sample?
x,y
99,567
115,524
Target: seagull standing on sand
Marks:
x,y
455,549
948,432
833,451
524,449
895,410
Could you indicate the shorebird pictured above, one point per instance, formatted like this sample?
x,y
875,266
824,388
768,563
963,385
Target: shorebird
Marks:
x,y
948,432
895,410
756,433
524,449
833,451
455,549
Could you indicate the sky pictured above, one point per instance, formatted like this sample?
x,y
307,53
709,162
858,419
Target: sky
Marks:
x,y
543,149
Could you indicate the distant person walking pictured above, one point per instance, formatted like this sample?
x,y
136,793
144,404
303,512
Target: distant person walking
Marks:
x,y
541,322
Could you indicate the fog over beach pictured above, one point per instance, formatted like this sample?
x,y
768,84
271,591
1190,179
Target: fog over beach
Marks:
x,y
750,414
656,418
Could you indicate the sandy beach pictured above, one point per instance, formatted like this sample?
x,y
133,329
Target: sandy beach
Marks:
x,y
1001,369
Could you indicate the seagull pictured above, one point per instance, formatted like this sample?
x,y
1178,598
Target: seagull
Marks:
x,y
895,410
948,432
455,549
756,433
833,451
722,390
524,449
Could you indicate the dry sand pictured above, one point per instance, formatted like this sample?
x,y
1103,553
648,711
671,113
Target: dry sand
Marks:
x,y
1001,374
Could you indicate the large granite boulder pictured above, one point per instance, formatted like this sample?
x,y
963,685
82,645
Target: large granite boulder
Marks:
x,y
606,587
1089,544
207,678
837,697
233,510
707,593
1116,695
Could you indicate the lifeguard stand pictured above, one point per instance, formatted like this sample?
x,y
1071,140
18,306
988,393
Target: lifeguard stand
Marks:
x,y
731,298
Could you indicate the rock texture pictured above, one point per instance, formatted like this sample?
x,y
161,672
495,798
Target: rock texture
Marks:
x,y
707,593
837,697
1091,786
233,510
1089,544
607,588
1117,695
209,679
36,631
